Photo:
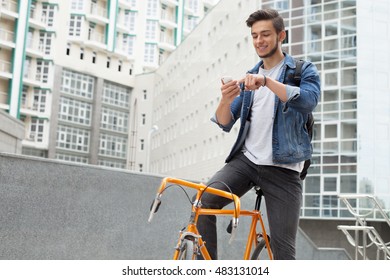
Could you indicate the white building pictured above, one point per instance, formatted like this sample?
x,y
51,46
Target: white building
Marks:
x,y
67,70
348,42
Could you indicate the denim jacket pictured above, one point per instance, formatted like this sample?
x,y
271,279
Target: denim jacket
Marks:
x,y
290,139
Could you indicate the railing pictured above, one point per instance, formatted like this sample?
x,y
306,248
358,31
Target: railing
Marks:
x,y
5,66
6,35
9,5
97,37
100,11
3,97
370,236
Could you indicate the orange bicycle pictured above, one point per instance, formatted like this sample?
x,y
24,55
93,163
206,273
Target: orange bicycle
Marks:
x,y
190,243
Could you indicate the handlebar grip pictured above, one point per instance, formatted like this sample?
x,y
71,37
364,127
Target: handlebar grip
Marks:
x,y
234,224
154,208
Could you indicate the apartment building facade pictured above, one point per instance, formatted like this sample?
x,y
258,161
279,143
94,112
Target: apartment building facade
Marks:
x,y
67,70
346,40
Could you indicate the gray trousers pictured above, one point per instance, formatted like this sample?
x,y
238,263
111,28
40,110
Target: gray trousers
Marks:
x,y
282,191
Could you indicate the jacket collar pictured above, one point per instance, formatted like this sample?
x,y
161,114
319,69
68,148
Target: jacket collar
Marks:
x,y
288,60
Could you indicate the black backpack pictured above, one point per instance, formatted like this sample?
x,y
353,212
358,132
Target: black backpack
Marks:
x,y
310,119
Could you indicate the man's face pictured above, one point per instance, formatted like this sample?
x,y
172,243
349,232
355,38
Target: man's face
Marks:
x,y
265,39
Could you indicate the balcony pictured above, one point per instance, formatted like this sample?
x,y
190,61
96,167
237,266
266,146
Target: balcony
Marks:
x,y
126,4
96,39
170,3
32,78
121,52
166,42
124,25
167,20
30,109
9,9
7,39
38,21
3,97
97,14
5,69
35,49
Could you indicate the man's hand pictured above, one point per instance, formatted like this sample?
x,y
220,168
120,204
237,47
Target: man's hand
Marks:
x,y
253,82
229,91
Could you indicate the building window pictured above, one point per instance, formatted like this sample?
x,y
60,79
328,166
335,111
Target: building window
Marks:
x,y
45,40
81,53
119,66
43,68
142,144
151,8
191,22
114,146
151,30
330,131
94,57
150,53
68,49
75,111
36,130
108,62
130,17
77,84
75,25
40,97
140,167
112,163
114,120
281,5
71,138
128,44
71,158
116,95
77,5
143,119
48,11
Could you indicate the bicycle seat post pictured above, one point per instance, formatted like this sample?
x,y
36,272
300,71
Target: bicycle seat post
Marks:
x,y
259,194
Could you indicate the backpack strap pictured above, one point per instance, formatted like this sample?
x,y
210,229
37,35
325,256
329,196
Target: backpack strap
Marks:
x,y
298,71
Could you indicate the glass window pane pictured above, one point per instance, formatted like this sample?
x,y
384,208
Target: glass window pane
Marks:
x,y
330,184
348,184
312,184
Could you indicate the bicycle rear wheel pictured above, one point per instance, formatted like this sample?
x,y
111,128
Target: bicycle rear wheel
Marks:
x,y
259,248
187,252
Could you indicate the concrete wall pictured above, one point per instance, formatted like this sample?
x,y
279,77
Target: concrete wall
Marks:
x,y
11,134
55,210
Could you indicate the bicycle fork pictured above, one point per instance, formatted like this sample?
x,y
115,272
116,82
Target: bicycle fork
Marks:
x,y
191,233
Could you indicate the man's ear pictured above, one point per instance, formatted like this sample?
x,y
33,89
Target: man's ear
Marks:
x,y
282,35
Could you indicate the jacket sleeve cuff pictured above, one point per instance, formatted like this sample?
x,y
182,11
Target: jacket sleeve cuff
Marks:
x,y
292,92
225,128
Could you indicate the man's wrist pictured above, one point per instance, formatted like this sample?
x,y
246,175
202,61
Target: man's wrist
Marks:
x,y
264,81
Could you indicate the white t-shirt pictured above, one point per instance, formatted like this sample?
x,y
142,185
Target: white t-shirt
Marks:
x,y
258,142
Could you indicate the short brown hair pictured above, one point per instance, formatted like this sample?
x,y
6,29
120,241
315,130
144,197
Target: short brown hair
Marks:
x,y
267,14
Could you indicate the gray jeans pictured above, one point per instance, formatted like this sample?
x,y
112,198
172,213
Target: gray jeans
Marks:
x,y
283,195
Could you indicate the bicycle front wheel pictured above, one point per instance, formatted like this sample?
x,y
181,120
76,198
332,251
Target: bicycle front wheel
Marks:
x,y
187,252
259,248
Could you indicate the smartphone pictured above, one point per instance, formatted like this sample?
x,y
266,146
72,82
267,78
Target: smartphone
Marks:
x,y
226,79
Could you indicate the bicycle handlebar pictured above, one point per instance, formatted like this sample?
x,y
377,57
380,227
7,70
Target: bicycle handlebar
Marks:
x,y
199,187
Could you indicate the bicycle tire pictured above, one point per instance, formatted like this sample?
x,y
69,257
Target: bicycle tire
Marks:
x,y
259,248
187,250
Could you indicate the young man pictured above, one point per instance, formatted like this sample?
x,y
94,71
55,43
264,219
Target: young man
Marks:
x,y
273,142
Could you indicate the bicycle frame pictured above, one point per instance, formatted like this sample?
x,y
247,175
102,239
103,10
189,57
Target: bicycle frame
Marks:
x,y
191,229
